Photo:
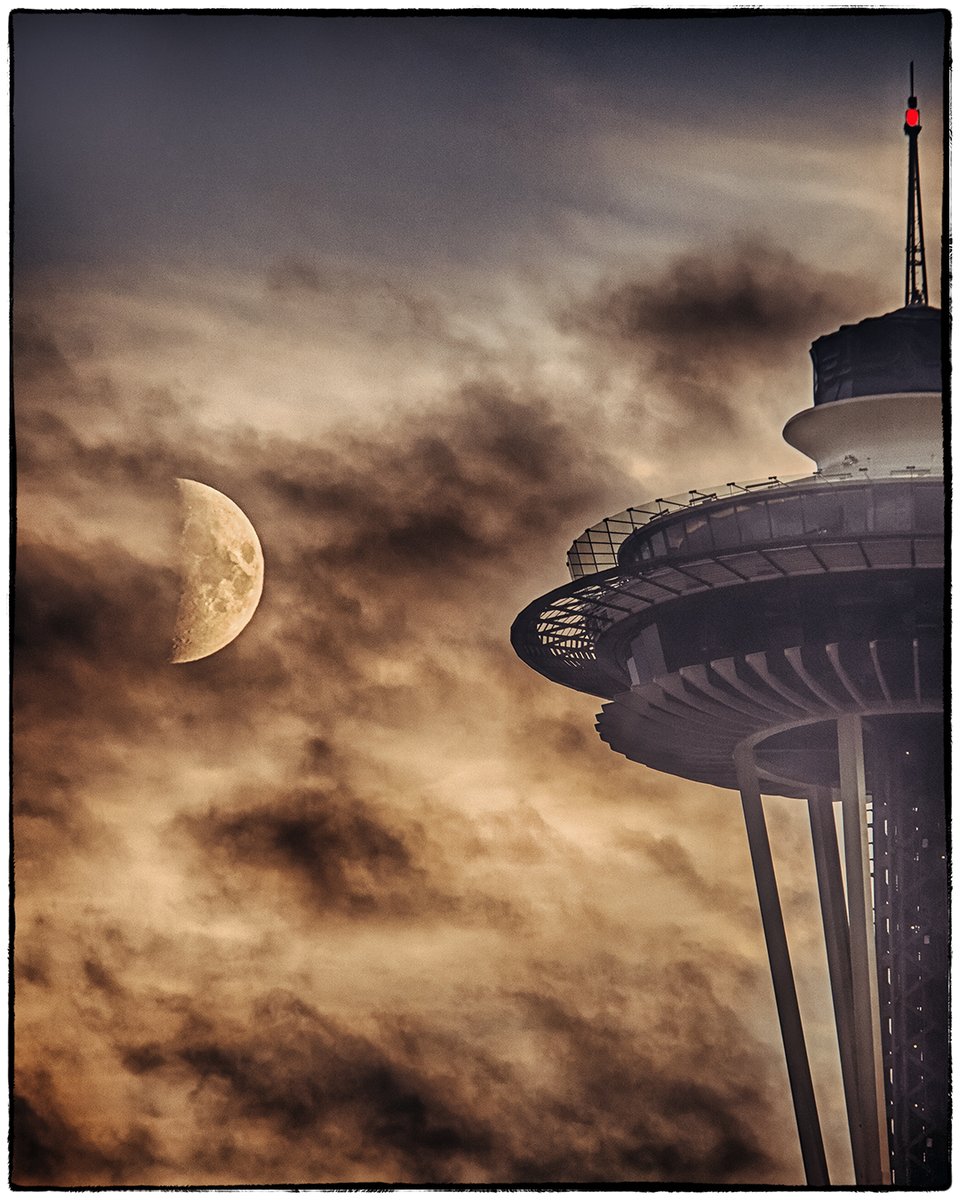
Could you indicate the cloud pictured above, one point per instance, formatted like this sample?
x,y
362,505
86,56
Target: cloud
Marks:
x,y
332,845
463,486
292,275
348,900
47,1146
361,897
90,605
713,318
677,864
36,352
740,303
415,1103
311,1080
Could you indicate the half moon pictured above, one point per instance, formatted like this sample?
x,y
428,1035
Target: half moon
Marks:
x,y
221,572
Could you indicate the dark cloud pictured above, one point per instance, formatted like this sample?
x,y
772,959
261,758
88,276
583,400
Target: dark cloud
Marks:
x,y
100,977
48,1147
336,855
466,487
49,804
391,1104
87,624
44,1144
711,319
36,352
85,608
333,845
733,307
313,1081
294,275
715,1111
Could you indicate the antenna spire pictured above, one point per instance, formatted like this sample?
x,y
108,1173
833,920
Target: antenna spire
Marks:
x,y
915,286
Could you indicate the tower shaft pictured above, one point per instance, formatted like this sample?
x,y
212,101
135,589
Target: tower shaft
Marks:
x,y
912,923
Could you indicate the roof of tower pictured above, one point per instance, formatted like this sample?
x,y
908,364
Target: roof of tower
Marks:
x,y
896,353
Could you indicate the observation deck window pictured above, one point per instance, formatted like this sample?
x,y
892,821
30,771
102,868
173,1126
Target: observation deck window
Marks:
x,y
822,513
928,510
723,526
891,511
854,504
696,534
676,535
786,515
658,544
754,522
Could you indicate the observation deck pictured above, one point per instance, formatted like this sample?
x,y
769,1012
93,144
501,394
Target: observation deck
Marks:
x,y
651,555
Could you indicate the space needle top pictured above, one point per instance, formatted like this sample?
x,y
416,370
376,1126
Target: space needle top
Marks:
x,y
877,385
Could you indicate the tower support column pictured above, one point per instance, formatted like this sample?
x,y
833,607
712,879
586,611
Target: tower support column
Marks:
x,y
784,987
863,955
836,937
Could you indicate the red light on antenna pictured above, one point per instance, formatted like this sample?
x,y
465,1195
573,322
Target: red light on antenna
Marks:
x,y
912,116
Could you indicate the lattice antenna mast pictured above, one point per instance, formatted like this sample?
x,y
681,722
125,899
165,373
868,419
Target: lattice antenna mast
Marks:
x,y
915,287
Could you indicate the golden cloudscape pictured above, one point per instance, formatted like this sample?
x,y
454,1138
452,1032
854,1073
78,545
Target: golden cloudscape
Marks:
x,y
360,897
364,830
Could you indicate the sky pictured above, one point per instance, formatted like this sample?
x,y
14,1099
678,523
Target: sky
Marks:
x,y
361,897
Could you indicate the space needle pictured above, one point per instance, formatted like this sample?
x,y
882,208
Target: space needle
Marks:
x,y
785,637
